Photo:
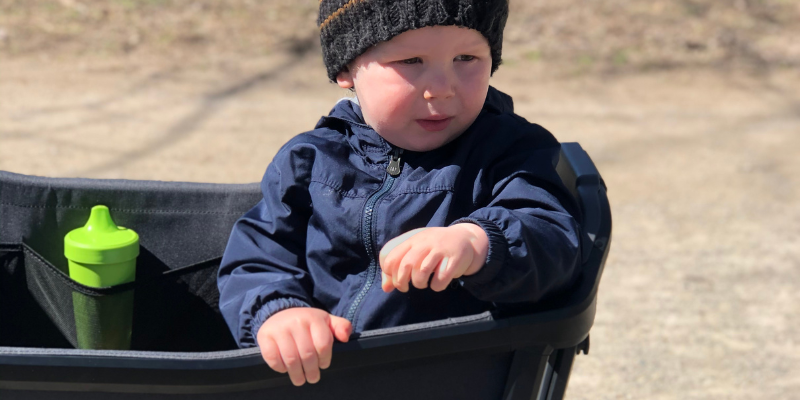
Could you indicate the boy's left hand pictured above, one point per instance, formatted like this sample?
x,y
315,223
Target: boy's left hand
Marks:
x,y
447,253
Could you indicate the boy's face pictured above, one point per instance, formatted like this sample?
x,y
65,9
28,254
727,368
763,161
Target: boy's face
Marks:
x,y
424,87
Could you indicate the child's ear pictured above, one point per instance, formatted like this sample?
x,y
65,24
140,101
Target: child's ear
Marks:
x,y
345,79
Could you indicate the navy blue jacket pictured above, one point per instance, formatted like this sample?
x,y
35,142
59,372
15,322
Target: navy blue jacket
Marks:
x,y
330,205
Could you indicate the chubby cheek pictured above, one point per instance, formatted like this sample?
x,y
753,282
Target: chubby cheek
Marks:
x,y
475,86
474,103
386,99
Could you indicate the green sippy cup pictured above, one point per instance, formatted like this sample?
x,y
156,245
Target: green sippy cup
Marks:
x,y
101,254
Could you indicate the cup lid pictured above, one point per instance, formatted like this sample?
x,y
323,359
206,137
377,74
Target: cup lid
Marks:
x,y
101,241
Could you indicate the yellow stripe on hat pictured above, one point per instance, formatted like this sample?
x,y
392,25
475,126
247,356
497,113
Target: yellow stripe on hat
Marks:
x,y
338,12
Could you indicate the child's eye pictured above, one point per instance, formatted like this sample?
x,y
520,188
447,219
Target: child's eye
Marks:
x,y
465,57
410,61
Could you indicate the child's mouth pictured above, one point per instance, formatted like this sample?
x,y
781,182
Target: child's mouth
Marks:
x,y
434,124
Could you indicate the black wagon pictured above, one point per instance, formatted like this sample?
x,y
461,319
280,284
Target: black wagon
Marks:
x,y
181,346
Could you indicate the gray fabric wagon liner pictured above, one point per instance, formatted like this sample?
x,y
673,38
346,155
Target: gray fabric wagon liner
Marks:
x,y
181,346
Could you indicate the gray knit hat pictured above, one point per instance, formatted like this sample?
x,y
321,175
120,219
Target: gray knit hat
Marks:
x,y
349,27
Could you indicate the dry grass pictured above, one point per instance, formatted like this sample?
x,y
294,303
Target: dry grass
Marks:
x,y
656,34
583,36
174,28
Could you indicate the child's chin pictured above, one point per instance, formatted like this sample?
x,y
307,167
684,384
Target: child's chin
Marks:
x,y
426,145
430,146
426,141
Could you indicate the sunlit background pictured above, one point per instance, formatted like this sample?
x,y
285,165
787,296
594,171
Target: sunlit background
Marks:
x,y
689,108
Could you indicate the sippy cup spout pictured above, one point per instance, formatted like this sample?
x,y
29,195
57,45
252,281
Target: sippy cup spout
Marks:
x,y
100,220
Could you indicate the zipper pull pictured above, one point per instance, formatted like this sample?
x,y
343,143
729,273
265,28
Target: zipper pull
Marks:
x,y
395,166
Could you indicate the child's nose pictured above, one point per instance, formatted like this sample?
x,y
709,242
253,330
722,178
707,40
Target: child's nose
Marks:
x,y
440,84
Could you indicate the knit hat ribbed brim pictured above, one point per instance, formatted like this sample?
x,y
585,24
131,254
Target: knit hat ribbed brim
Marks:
x,y
349,27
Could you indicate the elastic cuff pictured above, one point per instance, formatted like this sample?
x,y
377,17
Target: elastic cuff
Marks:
x,y
496,257
271,308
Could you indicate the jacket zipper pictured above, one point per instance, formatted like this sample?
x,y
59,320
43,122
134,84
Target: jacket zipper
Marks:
x,y
367,223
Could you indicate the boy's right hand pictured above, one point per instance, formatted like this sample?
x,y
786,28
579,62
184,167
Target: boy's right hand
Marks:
x,y
300,341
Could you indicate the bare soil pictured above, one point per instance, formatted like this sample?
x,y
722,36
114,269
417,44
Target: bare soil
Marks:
x,y
690,109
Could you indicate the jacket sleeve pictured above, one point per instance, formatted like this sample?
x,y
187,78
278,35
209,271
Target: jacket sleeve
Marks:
x,y
263,269
531,222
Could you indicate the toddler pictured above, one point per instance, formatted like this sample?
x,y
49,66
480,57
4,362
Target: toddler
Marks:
x,y
425,197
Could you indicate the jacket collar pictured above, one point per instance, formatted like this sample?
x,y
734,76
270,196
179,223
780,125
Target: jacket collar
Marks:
x,y
346,113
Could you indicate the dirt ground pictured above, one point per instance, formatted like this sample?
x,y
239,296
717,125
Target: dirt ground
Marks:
x,y
700,298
